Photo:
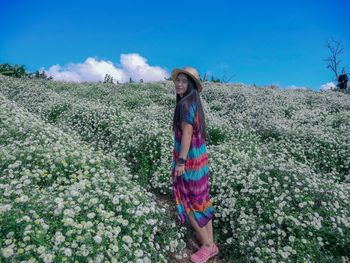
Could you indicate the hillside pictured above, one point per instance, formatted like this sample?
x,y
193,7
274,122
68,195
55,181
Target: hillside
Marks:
x,y
85,172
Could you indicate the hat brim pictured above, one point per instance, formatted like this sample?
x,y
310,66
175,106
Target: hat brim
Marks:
x,y
177,71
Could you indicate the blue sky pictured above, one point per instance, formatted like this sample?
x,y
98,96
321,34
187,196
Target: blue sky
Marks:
x,y
261,42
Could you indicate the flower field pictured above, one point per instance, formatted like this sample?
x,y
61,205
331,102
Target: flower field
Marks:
x,y
84,168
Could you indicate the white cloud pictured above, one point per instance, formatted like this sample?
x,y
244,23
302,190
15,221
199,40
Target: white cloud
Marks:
x,y
296,87
93,70
328,86
137,68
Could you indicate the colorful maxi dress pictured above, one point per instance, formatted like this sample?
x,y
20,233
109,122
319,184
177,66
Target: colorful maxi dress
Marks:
x,y
191,189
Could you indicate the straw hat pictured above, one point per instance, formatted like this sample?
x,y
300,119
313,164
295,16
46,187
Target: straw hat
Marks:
x,y
192,72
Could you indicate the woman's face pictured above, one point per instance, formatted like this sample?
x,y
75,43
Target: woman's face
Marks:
x,y
181,84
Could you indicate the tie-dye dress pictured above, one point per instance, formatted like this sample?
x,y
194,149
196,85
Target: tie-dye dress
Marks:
x,y
191,189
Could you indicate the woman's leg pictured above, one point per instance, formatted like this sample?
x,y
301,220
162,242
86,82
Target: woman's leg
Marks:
x,y
202,231
209,229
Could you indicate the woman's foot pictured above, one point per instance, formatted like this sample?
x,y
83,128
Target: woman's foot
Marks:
x,y
198,238
204,253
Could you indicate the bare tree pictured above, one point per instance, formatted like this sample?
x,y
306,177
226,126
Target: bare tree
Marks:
x,y
205,78
108,79
333,61
224,79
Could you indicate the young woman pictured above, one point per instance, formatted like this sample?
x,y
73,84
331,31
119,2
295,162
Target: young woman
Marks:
x,y
190,171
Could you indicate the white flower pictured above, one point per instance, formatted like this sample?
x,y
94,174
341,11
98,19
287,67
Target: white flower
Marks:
x,y
57,211
7,252
125,222
40,249
68,252
68,212
59,237
58,200
97,239
91,215
127,239
26,218
243,222
138,253
285,254
280,219
5,208
115,248
24,198
138,213
88,224
287,248
48,258
93,201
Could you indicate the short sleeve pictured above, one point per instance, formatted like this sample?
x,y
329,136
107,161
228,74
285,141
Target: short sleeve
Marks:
x,y
190,113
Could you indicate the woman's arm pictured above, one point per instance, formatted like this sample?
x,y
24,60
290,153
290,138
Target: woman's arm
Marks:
x,y
187,130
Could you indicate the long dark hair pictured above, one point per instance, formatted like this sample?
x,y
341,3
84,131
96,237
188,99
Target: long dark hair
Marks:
x,y
191,95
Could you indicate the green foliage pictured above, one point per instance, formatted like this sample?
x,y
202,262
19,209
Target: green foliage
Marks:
x,y
144,159
12,71
215,80
56,111
41,75
19,72
216,136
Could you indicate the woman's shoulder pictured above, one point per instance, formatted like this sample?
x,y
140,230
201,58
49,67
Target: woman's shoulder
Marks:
x,y
189,104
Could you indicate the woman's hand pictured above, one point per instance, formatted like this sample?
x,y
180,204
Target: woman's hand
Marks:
x,y
179,170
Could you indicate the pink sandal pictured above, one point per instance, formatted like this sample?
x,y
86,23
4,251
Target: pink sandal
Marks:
x,y
204,253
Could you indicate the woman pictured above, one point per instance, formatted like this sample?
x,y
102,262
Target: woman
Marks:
x,y
190,171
